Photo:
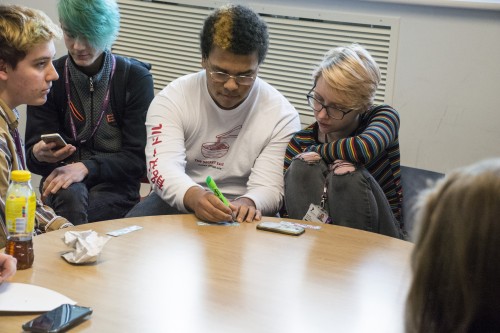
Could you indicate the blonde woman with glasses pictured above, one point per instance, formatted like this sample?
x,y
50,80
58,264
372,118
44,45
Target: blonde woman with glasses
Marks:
x,y
344,168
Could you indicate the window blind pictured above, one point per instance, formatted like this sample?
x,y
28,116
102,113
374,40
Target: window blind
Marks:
x,y
166,34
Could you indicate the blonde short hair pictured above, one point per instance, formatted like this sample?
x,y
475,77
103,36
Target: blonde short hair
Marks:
x,y
350,71
455,285
21,28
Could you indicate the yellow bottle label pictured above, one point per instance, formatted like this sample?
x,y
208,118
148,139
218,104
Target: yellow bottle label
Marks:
x,y
31,212
15,207
20,213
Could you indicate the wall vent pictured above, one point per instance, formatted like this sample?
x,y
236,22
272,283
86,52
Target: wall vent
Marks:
x,y
166,35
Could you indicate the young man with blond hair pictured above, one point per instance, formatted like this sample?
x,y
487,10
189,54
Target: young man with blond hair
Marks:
x,y
26,75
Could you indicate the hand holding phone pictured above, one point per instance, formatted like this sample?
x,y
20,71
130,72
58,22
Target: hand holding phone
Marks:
x,y
58,319
54,137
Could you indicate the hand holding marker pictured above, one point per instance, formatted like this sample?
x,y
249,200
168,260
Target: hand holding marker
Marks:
x,y
211,185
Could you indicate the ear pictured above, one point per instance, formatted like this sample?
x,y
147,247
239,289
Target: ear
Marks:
x,y
3,70
204,63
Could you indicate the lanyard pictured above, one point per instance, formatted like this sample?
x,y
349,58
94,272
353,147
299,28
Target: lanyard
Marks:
x,y
19,148
104,107
324,196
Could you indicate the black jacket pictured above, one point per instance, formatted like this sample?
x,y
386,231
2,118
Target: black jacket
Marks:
x,y
130,95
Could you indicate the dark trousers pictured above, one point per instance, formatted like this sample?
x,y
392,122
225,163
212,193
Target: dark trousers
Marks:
x,y
81,204
152,205
354,199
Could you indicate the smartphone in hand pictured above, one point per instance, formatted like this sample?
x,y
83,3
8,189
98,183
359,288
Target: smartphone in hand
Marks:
x,y
58,319
54,137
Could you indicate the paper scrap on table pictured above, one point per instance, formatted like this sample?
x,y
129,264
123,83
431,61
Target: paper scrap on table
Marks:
x,y
22,297
87,244
234,224
119,232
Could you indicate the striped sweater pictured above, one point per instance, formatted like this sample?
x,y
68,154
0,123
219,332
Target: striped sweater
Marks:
x,y
374,144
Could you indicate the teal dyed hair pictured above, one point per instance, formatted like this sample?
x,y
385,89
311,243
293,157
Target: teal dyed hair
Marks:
x,y
98,21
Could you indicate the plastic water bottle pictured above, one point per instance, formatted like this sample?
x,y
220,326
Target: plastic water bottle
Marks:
x,y
20,209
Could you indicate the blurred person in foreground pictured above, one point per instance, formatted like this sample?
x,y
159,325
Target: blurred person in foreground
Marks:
x,y
7,266
456,258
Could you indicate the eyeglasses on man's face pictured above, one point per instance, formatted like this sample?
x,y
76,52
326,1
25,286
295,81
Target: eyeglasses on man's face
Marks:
x,y
221,77
332,111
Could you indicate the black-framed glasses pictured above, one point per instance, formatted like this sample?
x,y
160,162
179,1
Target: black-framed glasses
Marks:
x,y
333,112
221,77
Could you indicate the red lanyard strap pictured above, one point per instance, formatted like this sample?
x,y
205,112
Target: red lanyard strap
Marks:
x,y
74,111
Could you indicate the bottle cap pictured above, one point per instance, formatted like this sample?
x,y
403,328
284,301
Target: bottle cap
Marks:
x,y
20,175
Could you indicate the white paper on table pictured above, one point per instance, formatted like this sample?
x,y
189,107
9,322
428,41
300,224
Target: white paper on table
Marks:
x,y
22,297
88,245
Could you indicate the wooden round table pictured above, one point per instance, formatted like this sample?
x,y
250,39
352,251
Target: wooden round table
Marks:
x,y
177,276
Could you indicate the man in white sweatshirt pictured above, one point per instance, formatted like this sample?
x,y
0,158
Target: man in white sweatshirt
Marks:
x,y
224,122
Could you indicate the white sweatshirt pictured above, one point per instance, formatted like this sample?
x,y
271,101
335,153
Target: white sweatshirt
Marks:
x,y
190,138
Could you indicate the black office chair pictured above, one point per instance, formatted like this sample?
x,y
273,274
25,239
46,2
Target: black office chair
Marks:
x,y
414,181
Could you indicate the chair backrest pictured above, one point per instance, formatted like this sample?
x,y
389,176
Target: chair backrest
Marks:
x,y
414,181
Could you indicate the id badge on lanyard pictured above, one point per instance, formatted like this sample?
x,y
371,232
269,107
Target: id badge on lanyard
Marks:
x,y
318,213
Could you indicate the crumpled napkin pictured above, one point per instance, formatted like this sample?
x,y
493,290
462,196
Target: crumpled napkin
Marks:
x,y
87,244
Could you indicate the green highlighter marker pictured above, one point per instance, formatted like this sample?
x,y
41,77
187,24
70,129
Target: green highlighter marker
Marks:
x,y
211,185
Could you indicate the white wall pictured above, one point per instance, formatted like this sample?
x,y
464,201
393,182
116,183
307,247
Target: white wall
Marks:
x,y
446,80
447,77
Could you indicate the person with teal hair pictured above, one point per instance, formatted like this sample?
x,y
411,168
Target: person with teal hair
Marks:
x,y
97,21
99,107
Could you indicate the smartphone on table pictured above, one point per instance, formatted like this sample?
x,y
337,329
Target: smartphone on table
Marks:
x,y
54,137
281,228
58,319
